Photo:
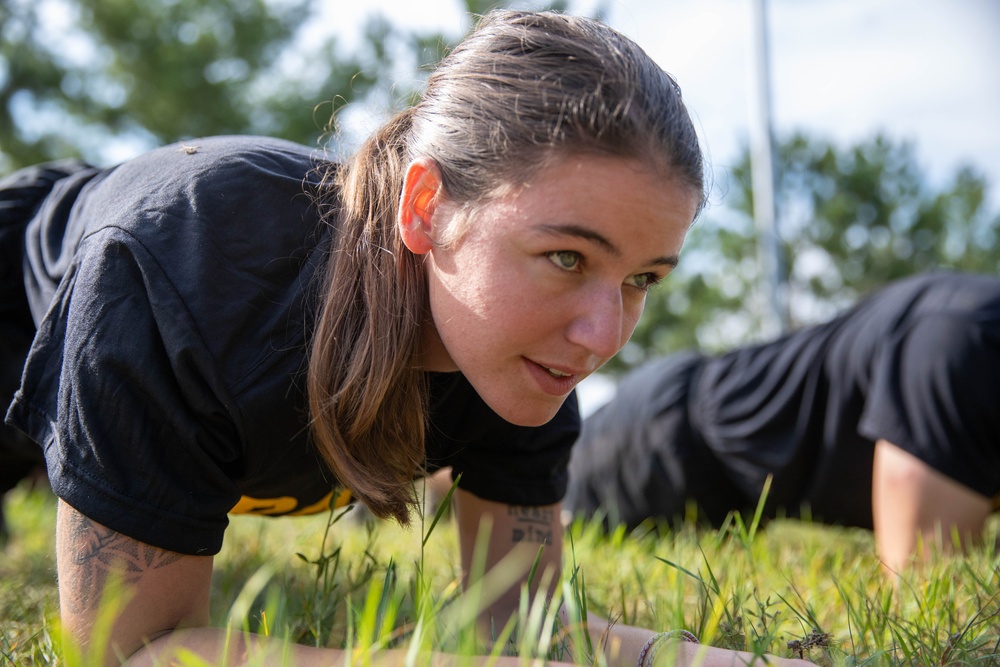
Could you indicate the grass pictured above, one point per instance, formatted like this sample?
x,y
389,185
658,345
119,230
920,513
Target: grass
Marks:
x,y
332,581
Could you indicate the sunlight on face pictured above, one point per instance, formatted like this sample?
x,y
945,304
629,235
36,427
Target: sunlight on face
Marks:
x,y
548,281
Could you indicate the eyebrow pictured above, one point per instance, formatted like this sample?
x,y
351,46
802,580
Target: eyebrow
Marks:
x,y
601,240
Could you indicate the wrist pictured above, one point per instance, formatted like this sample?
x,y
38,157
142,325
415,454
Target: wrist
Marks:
x,y
647,656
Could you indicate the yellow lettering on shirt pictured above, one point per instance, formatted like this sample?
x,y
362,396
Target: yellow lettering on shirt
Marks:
x,y
287,505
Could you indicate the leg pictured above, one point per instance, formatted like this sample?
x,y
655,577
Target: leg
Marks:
x,y
910,499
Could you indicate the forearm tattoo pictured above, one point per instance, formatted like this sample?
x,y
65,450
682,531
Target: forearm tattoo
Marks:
x,y
532,524
97,553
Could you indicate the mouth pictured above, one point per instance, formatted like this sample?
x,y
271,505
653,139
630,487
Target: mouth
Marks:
x,y
554,381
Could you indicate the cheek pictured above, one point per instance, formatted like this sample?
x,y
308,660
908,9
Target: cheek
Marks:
x,y
490,288
631,312
453,282
467,302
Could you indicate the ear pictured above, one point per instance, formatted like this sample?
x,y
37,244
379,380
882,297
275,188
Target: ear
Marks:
x,y
417,203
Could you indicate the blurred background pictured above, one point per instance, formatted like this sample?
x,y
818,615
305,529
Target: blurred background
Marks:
x,y
882,116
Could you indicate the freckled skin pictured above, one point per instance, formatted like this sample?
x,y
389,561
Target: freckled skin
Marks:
x,y
551,276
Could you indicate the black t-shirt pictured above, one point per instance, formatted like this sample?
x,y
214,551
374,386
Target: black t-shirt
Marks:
x,y
173,296
917,364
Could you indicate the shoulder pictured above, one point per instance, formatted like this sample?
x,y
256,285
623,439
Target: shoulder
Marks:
x,y
187,223
192,155
215,168
227,192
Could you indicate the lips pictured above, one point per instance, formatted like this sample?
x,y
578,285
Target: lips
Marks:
x,y
554,381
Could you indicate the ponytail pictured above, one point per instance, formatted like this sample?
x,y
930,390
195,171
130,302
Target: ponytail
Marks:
x,y
367,398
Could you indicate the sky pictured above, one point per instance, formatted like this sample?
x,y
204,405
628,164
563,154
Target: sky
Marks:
x,y
924,71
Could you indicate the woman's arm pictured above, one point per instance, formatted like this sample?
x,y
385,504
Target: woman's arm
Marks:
x,y
513,534
492,533
504,541
141,591
122,600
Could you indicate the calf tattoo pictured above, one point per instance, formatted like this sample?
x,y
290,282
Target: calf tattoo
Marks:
x,y
534,524
98,553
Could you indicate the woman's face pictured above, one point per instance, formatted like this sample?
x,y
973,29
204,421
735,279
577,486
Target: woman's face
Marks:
x,y
547,282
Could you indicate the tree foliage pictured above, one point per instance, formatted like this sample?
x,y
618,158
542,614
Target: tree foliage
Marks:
x,y
101,79
83,74
851,219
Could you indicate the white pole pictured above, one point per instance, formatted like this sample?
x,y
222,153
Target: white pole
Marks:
x,y
763,180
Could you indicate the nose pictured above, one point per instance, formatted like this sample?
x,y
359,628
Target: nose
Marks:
x,y
599,325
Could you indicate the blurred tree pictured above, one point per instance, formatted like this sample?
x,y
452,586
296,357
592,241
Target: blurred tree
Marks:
x,y
79,75
851,219
104,79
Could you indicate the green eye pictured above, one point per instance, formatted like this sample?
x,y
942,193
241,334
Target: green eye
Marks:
x,y
644,280
565,259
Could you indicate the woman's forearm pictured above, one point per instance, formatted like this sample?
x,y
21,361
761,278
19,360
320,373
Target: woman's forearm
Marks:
x,y
231,648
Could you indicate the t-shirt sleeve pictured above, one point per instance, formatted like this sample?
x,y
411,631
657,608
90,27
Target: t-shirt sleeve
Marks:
x,y
120,391
933,394
499,461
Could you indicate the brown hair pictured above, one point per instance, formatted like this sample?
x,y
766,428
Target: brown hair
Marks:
x,y
522,88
